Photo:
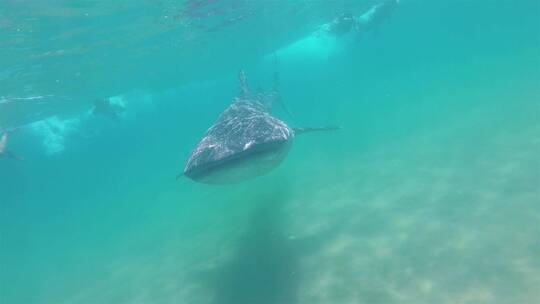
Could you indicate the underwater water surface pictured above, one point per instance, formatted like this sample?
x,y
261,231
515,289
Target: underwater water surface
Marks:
x,y
429,192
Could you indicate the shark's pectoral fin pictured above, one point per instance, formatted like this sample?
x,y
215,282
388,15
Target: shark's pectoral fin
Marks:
x,y
310,129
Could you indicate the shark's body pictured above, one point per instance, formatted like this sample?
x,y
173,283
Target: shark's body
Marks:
x,y
245,142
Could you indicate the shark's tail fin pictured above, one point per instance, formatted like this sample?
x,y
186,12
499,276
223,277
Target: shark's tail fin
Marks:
x,y
316,129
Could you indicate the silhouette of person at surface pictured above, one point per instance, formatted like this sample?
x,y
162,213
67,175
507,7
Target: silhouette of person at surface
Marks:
x,y
368,21
108,108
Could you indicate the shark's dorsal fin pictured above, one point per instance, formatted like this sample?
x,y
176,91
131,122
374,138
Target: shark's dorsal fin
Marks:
x,y
242,82
276,73
276,88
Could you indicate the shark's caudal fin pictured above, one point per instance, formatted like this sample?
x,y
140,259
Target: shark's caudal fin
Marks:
x,y
309,129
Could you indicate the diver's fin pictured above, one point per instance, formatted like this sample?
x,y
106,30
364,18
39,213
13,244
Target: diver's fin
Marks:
x,y
309,129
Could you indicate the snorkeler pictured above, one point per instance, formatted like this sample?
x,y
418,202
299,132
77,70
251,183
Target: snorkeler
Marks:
x,y
376,15
4,152
342,24
371,19
108,108
335,36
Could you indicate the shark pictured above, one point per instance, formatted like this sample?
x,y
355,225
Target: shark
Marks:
x,y
245,142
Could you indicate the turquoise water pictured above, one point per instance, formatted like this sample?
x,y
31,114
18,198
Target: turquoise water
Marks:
x,y
428,194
